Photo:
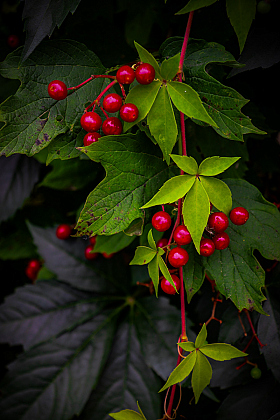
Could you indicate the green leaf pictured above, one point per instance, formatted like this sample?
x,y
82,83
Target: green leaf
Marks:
x,y
189,346
133,175
169,67
172,190
113,243
33,119
154,273
187,100
151,240
196,209
214,165
193,273
194,5
147,57
241,15
127,415
186,163
16,242
165,271
143,255
181,371
162,123
200,339
218,192
221,351
201,376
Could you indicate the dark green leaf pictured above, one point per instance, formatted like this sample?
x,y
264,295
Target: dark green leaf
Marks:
x,y
214,165
113,243
147,57
200,339
241,15
221,351
186,163
169,67
194,5
218,192
143,255
181,371
201,376
193,273
16,241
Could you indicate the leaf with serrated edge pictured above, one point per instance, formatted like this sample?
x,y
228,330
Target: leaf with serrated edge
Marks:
x,y
214,165
147,57
196,209
241,15
165,271
187,100
170,67
143,255
200,339
218,192
187,163
154,273
181,371
151,240
172,190
221,351
201,376
188,346
127,415
194,5
162,123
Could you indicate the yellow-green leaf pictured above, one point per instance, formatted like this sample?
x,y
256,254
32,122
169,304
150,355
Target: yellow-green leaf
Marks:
x,y
181,371
143,255
218,192
147,57
154,273
186,163
221,351
200,339
170,67
194,5
214,165
201,376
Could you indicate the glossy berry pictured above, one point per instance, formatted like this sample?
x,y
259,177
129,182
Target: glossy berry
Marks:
x,y
178,257
92,240
112,126
161,221
207,247
91,138
256,373
182,236
89,254
32,269
263,7
57,90
125,75
129,112
218,221
221,240
112,102
145,74
63,231
239,216
91,121
13,41
108,256
167,287
162,242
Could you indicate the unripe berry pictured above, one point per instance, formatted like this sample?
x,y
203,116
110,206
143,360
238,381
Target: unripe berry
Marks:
x,y
167,287
161,221
178,257
239,216
256,373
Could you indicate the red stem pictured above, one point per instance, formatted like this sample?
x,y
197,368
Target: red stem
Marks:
x,y
172,395
96,101
91,78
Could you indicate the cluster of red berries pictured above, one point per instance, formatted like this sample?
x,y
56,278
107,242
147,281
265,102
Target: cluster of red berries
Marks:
x,y
91,120
178,257
32,269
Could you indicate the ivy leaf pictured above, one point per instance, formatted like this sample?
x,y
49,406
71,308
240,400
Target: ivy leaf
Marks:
x,y
201,376
169,68
214,165
162,123
194,5
221,351
186,163
172,190
241,15
218,192
143,255
181,371
133,175
186,99
113,243
147,57
200,339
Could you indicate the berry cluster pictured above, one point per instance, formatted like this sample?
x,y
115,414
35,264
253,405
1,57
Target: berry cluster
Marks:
x,y
112,102
32,269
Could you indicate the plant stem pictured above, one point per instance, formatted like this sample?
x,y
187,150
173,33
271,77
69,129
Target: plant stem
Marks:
x,y
97,100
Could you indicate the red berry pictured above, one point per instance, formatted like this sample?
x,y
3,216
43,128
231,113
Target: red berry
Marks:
x,y
221,240
57,90
63,231
129,112
162,242
125,75
145,74
182,236
92,240
167,287
105,255
112,102
218,221
32,269
239,216
112,126
161,221
91,138
91,121
178,257
89,254
207,247
13,41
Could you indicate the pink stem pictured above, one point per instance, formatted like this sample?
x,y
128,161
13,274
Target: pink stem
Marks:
x,y
101,94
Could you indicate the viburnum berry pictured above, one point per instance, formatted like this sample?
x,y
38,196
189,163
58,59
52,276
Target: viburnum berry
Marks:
x,y
112,102
239,216
178,257
161,243
161,221
181,235
145,74
167,287
129,112
207,247
112,126
63,231
13,41
256,373
57,90
91,121
125,75
89,254
221,240
263,7
91,138
92,240
108,256
218,221
32,269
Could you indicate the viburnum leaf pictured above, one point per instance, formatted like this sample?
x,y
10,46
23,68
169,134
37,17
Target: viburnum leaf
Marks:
x,y
214,165
201,376
218,192
143,255
147,57
201,337
169,67
186,163
33,119
113,243
194,5
221,351
241,15
181,371
162,123
172,190
134,175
